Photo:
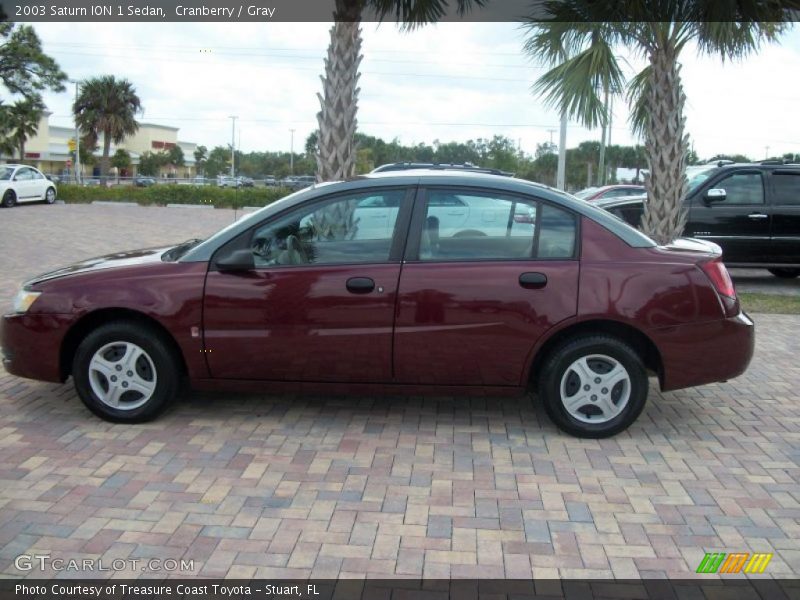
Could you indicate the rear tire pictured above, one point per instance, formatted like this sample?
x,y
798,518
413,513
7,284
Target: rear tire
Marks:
x,y
593,386
9,199
125,372
785,272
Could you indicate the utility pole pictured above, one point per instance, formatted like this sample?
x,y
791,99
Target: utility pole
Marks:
x,y
766,151
291,153
562,154
233,142
77,165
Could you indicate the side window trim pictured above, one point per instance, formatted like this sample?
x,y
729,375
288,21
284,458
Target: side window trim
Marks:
x,y
245,238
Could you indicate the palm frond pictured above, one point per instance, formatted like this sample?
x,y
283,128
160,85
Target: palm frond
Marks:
x,y
410,14
637,95
575,85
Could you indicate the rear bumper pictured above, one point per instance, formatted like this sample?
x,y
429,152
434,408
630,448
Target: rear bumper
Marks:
x,y
31,345
701,353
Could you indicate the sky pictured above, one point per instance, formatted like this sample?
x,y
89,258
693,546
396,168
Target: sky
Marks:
x,y
446,82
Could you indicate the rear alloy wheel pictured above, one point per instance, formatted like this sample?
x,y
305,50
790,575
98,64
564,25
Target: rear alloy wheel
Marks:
x,y
593,386
785,272
125,372
50,195
9,199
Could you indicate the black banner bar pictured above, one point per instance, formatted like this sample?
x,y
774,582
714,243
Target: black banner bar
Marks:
x,y
734,588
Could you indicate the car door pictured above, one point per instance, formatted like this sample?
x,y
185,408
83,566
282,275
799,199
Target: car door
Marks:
x,y
319,304
24,184
38,184
738,220
472,305
785,196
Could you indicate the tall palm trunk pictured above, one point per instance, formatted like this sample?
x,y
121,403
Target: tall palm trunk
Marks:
x,y
22,150
666,146
104,162
336,146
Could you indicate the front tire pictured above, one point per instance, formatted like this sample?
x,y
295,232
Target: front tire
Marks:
x,y
9,199
50,195
593,386
785,272
125,372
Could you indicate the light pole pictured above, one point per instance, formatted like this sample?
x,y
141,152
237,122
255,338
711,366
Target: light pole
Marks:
x,y
562,154
233,141
77,138
291,154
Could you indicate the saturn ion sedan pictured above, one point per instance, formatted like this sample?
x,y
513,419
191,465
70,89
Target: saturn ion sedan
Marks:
x,y
373,285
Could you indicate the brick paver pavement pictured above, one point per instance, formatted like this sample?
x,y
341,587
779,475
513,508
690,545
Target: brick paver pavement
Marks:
x,y
299,486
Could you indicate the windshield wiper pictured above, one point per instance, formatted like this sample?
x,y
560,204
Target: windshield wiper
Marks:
x,y
175,253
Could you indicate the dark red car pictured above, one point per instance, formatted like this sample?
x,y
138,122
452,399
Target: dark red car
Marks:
x,y
442,282
617,190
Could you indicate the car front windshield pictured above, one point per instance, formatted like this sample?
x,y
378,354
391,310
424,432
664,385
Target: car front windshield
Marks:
x,y
6,173
696,178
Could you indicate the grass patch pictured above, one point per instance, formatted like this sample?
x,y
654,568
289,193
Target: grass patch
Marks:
x,y
770,303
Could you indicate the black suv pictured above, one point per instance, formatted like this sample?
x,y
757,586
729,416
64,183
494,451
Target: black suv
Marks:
x,y
751,210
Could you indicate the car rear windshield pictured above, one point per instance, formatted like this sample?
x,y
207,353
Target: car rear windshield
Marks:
x,y
5,173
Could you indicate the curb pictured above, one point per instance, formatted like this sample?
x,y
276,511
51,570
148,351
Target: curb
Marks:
x,y
190,206
112,203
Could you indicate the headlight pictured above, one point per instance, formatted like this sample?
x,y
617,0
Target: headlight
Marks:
x,y
24,299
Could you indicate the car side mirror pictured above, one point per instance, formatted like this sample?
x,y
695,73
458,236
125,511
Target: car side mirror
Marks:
x,y
236,261
716,195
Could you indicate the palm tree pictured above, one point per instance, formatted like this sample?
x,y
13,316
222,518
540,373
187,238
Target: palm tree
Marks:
x,y
22,120
576,40
336,146
107,106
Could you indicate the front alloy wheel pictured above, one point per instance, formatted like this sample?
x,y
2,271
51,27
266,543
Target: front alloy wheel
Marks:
x,y
50,195
122,375
126,372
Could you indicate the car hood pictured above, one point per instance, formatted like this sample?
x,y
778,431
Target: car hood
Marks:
x,y
109,261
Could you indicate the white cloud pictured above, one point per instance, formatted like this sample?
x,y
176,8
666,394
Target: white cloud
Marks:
x,y
453,81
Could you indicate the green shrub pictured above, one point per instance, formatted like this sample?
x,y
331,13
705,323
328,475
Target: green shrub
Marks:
x,y
162,194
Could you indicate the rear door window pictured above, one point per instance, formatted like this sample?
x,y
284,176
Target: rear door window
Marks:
x,y
485,226
787,188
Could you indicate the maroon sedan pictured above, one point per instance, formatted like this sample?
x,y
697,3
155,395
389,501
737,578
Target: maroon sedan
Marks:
x,y
442,282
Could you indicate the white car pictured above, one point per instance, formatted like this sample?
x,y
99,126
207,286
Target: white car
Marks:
x,y
21,183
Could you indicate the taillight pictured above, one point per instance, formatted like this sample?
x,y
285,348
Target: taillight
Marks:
x,y
720,277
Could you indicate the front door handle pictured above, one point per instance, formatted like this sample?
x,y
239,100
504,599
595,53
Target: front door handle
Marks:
x,y
360,285
533,281
756,216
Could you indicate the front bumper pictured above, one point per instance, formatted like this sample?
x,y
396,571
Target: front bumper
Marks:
x,y
31,345
701,353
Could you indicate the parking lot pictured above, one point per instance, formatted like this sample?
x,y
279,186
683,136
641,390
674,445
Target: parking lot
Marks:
x,y
310,486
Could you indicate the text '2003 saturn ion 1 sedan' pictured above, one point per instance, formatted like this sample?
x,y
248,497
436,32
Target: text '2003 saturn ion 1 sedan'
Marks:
x,y
436,282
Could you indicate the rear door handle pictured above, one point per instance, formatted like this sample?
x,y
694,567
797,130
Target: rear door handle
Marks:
x,y
533,281
756,216
360,285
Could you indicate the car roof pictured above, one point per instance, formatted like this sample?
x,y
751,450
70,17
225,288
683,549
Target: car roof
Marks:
x,y
425,177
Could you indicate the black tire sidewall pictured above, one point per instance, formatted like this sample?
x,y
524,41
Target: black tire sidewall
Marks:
x,y
9,199
168,378
46,199
563,356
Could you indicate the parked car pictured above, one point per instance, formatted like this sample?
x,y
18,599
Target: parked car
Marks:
x,y
752,211
269,180
21,183
144,181
227,181
609,191
299,182
244,182
551,293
